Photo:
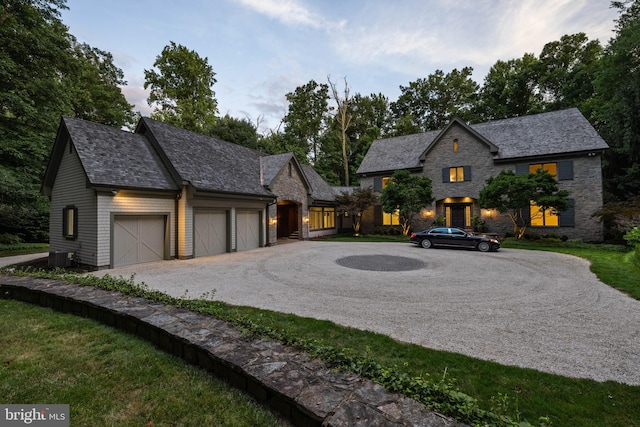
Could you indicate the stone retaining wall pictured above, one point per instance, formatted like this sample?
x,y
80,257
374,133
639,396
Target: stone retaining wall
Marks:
x,y
303,390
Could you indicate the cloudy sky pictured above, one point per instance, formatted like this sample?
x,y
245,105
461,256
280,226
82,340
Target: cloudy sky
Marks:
x,y
263,49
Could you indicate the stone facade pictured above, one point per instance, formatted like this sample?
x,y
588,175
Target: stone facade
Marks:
x,y
460,160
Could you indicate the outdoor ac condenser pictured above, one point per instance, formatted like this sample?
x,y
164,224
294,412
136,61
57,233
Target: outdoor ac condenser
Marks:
x,y
60,259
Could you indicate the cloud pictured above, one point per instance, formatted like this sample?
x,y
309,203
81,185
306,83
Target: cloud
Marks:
x,y
291,12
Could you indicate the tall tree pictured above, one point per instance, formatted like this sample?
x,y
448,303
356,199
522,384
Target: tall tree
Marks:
x,y
406,194
617,103
432,102
306,116
567,71
344,117
239,131
510,89
182,89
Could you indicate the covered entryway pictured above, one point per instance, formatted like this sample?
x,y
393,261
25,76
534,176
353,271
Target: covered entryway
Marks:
x,y
288,219
138,239
248,230
210,232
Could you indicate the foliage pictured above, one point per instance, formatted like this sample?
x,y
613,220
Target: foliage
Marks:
x,y
633,238
619,217
306,116
44,74
181,89
238,131
617,102
431,103
354,204
406,194
344,117
513,194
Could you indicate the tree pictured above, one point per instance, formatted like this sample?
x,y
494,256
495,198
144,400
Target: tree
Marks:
x,y
616,105
354,204
567,71
406,194
510,89
238,131
181,89
432,102
306,115
344,116
514,195
94,87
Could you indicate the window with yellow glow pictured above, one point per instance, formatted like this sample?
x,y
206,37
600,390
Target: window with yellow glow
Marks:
x,y
385,181
543,218
552,168
70,222
456,145
391,218
321,218
456,174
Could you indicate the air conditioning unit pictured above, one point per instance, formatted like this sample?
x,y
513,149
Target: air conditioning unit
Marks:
x,y
60,259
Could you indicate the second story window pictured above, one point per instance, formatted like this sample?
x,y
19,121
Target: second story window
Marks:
x,y
456,174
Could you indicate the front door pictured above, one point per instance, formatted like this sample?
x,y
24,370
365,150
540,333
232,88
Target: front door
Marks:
x,y
458,216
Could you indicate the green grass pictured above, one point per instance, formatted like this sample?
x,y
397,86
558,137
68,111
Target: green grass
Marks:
x,y
22,249
109,378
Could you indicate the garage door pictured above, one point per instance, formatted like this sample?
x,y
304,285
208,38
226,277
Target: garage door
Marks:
x,y
210,233
248,230
138,239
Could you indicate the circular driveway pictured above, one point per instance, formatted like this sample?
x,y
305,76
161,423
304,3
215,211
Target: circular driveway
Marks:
x,y
532,309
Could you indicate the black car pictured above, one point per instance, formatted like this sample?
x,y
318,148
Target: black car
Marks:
x,y
454,238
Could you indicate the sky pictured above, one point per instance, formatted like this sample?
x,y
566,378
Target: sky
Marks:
x,y
261,50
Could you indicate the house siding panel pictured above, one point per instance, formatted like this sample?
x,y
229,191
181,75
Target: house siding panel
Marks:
x,y
70,189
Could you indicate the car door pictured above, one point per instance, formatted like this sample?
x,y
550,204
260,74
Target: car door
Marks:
x,y
439,236
459,238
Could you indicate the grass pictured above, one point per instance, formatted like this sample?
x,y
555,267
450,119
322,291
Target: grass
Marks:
x,y
523,394
22,249
109,378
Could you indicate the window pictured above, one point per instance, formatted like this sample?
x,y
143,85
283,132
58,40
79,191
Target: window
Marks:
x,y
552,168
70,222
456,174
391,218
456,145
320,218
385,181
543,218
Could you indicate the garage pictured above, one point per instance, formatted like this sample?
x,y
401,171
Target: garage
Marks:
x,y
248,230
210,232
138,239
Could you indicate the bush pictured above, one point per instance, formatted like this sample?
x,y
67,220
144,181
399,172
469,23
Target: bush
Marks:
x,y
633,238
9,239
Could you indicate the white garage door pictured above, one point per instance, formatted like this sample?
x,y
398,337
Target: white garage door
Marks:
x,y
138,239
248,230
210,233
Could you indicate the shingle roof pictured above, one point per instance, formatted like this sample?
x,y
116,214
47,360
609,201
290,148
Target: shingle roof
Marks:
x,y
320,190
112,157
273,164
207,163
553,133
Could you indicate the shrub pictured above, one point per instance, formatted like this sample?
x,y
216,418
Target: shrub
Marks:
x,y
9,239
633,238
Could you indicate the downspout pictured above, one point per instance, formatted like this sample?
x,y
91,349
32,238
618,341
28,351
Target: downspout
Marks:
x,y
177,227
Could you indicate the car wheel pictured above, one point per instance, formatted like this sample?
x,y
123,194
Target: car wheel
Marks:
x,y
426,243
484,247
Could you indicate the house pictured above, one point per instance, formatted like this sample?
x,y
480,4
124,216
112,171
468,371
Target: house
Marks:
x,y
161,192
461,157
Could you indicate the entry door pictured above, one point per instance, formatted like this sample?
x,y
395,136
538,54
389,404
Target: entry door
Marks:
x,y
459,216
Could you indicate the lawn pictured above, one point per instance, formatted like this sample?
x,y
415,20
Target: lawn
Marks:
x,y
109,378
522,394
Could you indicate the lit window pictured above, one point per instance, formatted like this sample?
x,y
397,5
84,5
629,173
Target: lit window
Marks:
x,y
70,222
456,174
456,146
552,168
391,218
321,218
543,218
385,181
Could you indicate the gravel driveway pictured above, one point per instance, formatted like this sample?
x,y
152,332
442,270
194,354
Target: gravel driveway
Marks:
x,y
532,309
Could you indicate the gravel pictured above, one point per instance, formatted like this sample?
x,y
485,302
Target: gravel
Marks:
x,y
539,310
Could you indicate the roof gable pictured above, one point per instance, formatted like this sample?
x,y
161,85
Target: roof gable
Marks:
x,y
457,122
110,157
